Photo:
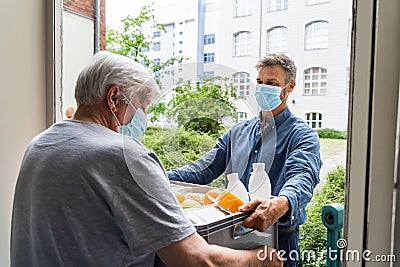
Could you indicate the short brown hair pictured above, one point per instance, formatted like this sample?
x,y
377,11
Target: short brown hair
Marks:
x,y
282,60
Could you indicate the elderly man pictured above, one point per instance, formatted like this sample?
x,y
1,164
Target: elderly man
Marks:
x,y
287,146
87,195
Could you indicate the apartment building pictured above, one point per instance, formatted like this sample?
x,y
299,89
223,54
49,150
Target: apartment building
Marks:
x,y
236,33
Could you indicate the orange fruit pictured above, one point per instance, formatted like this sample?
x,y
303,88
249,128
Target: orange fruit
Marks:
x,y
230,202
196,197
179,196
212,196
225,199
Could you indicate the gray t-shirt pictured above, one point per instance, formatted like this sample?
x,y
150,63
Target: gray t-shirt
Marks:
x,y
87,196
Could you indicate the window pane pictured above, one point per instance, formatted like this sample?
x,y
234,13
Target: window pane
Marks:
x,y
317,35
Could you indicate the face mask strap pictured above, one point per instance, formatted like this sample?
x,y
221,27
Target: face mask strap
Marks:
x,y
115,116
129,102
286,93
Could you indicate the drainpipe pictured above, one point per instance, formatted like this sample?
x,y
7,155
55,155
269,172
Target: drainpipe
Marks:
x,y
97,27
200,39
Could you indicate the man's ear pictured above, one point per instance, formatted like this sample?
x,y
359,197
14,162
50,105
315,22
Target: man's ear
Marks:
x,y
112,98
291,86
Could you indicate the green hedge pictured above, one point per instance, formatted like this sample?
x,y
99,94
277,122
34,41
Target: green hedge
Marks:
x,y
313,232
178,147
329,133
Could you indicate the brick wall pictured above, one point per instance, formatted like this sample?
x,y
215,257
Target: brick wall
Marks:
x,y
87,8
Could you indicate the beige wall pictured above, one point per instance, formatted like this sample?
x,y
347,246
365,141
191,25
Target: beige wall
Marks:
x,y
22,76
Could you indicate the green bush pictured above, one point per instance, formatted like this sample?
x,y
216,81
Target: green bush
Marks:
x,y
329,133
178,147
313,232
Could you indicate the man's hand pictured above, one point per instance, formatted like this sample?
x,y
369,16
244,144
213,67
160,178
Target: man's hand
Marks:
x,y
264,214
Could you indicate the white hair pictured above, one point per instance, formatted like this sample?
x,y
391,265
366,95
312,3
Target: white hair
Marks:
x,y
107,69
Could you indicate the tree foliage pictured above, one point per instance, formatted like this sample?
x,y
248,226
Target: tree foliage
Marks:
x,y
132,40
200,106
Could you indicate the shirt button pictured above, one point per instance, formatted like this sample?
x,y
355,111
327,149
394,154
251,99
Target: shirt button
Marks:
x,y
255,151
292,218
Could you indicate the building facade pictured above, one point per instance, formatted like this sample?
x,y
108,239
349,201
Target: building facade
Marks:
x,y
237,33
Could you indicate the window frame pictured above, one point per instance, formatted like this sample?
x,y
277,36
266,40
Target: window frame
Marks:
x,y
209,39
207,56
237,83
242,116
156,34
283,39
237,46
239,11
209,74
283,6
312,36
311,81
157,46
318,120
157,60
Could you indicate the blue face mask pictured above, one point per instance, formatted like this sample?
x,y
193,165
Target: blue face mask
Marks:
x,y
138,124
268,96
136,127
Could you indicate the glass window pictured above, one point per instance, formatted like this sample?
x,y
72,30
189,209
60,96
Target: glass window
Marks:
x,y
157,34
180,52
209,39
315,81
315,2
276,5
156,46
180,42
241,44
241,81
316,35
208,57
180,33
242,116
145,49
314,120
157,61
208,74
277,40
242,8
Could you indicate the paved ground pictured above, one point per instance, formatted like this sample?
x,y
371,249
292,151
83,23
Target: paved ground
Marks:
x,y
333,153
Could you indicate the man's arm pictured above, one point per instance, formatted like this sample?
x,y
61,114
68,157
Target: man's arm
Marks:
x,y
209,167
302,172
194,251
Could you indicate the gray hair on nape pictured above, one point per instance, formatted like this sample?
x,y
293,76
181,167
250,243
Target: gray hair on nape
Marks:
x,y
107,69
282,60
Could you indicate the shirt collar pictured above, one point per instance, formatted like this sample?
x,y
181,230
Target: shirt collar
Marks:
x,y
278,119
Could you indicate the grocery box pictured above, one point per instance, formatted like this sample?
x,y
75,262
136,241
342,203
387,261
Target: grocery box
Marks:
x,y
220,227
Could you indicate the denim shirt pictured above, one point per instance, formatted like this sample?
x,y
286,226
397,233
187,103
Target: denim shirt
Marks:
x,y
288,147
